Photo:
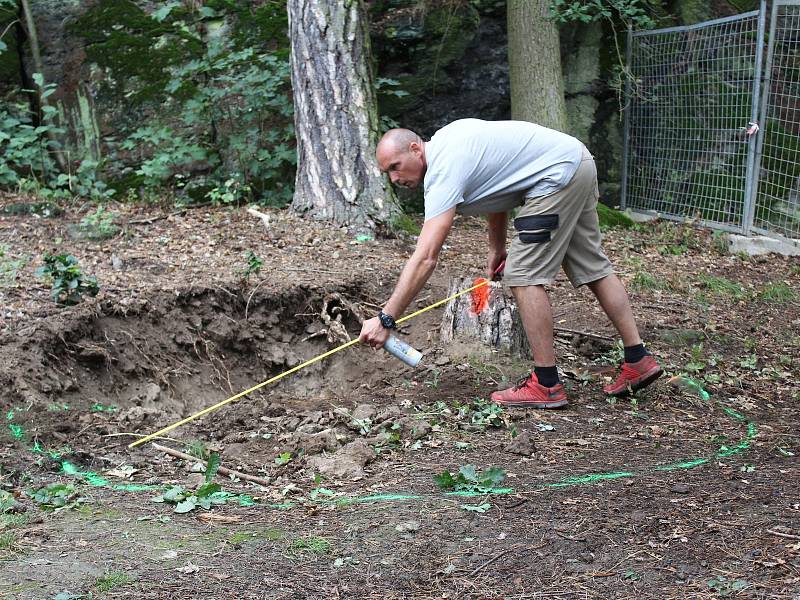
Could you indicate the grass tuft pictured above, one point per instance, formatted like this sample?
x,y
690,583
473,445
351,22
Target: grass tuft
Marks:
x,y
777,293
111,580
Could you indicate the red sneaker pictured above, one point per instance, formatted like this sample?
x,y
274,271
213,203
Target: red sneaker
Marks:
x,y
529,393
634,376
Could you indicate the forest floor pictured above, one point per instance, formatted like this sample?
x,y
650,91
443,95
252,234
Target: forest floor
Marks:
x,y
691,489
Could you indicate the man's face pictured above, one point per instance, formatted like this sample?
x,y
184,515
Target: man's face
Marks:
x,y
404,167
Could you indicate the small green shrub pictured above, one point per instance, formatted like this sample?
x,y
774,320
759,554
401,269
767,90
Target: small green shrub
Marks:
x,y
207,495
69,283
254,264
57,496
99,225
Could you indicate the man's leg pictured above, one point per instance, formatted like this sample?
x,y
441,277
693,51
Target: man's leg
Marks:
x,y
614,299
537,319
542,388
586,264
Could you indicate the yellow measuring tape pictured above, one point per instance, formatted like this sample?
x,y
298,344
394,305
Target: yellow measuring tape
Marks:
x,y
218,405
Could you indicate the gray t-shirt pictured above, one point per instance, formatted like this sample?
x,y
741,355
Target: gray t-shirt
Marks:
x,y
492,166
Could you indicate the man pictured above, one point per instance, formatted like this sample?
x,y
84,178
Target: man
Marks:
x,y
480,167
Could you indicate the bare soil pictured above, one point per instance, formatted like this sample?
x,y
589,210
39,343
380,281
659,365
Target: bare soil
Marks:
x,y
670,494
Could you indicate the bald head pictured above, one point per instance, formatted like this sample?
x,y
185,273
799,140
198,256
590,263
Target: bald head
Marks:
x,y
398,139
401,155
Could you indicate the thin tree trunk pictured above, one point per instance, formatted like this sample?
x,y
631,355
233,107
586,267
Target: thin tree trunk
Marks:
x,y
336,118
33,40
534,59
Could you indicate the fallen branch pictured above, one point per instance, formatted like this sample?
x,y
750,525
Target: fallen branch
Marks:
x,y
595,336
788,536
264,218
150,220
490,561
222,470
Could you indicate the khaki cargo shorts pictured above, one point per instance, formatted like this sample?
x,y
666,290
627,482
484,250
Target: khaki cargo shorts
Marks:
x,y
559,230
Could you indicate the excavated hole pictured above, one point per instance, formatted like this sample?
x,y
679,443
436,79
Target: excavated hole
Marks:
x,y
80,384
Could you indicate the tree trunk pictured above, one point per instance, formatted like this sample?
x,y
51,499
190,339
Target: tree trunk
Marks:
x,y
33,42
498,325
534,60
336,117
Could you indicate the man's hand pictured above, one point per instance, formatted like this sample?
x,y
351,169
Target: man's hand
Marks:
x,y
373,333
495,259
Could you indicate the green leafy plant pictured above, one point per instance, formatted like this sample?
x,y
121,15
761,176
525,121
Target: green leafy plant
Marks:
x,y
629,12
234,122
481,413
69,283
469,479
57,496
283,458
230,192
254,264
207,495
101,221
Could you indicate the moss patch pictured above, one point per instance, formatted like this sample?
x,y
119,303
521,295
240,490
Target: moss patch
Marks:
x,y
613,218
134,50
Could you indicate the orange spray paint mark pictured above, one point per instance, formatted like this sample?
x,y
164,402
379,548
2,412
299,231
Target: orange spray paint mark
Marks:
x,y
480,297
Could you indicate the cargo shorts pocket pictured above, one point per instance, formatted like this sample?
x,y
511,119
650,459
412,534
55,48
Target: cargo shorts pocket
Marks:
x,y
535,229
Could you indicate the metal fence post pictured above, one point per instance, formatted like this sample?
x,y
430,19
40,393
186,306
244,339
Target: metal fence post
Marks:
x,y
753,144
627,118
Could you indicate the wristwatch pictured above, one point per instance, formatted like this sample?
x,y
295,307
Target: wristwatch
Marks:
x,y
387,320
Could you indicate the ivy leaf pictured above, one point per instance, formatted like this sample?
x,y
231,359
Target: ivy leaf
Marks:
x,y
445,480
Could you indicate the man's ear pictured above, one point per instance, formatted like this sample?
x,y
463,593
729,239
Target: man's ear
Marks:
x,y
415,148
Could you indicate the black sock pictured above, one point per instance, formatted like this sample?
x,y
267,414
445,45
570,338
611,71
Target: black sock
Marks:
x,y
635,353
547,376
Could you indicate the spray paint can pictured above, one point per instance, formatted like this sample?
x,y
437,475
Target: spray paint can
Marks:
x,y
399,349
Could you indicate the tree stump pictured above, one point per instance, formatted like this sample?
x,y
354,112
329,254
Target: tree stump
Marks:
x,y
496,326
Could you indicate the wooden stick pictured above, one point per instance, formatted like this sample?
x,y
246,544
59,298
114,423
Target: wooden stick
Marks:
x,y
222,470
595,336
788,536
257,213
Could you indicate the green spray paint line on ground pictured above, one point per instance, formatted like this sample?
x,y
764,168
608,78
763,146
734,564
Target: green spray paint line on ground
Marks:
x,y
591,478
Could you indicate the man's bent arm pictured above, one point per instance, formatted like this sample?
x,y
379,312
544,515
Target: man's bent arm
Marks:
x,y
498,228
498,225
421,264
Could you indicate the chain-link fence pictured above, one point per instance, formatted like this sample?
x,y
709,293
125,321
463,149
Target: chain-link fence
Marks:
x,y
693,147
